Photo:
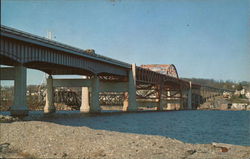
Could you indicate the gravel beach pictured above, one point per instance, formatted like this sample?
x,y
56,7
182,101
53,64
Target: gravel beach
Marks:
x,y
44,139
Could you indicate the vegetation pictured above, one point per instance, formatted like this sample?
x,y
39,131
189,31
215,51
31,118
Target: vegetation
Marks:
x,y
220,83
239,87
239,99
33,101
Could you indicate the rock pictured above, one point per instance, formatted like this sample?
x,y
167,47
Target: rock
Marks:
x,y
224,149
7,118
4,147
224,106
239,106
190,152
248,107
222,146
64,155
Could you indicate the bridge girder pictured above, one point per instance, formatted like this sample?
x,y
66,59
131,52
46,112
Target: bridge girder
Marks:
x,y
54,58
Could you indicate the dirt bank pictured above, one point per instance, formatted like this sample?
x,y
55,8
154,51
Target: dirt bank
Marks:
x,y
41,139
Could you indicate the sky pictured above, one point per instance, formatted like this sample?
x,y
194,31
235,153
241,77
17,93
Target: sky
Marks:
x,y
202,38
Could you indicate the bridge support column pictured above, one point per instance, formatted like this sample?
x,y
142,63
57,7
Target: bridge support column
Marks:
x,y
168,99
181,100
85,108
95,104
161,102
198,100
20,108
49,105
132,105
161,105
190,95
125,102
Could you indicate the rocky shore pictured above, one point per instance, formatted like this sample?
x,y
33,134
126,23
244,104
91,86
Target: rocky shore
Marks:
x,y
45,139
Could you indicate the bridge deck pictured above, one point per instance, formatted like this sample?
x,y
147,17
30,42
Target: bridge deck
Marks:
x,y
36,52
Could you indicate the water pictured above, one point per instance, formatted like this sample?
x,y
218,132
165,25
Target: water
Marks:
x,y
232,127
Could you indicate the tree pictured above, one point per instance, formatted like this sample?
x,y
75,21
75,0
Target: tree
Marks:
x,y
239,87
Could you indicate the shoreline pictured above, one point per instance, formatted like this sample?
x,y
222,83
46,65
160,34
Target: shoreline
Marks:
x,y
45,139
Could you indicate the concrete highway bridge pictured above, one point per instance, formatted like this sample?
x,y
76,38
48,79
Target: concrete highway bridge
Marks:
x,y
103,78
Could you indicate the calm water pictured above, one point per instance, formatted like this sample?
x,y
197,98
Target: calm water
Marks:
x,y
232,127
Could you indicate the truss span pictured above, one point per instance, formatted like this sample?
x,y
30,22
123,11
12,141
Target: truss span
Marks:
x,y
166,69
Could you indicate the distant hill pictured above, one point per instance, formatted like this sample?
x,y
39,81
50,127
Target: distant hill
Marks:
x,y
219,83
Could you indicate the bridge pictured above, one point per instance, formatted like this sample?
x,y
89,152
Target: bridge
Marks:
x,y
103,79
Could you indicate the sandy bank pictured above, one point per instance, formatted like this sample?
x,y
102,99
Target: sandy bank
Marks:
x,y
41,139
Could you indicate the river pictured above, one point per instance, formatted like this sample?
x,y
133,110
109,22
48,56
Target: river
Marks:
x,y
196,126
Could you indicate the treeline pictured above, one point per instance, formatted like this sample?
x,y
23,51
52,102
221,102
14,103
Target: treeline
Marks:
x,y
220,83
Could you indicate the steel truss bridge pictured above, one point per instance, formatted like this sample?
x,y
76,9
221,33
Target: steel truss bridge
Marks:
x,y
105,81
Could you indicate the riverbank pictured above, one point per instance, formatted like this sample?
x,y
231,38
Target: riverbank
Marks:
x,y
220,103
45,139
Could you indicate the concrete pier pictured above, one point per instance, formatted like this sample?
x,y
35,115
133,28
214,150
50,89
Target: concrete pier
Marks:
x,y
190,95
49,105
125,102
20,82
161,101
168,98
132,104
94,100
85,108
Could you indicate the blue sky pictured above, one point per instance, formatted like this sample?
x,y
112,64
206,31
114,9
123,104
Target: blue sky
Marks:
x,y
202,38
